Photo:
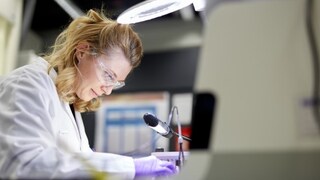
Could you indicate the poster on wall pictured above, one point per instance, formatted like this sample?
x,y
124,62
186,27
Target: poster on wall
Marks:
x,y
120,127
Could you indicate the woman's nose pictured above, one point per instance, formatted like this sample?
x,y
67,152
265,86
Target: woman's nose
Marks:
x,y
107,90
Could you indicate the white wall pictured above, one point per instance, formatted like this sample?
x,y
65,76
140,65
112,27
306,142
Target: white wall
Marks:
x,y
161,35
10,27
7,10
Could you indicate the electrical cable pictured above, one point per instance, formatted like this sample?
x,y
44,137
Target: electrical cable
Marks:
x,y
181,158
183,137
315,59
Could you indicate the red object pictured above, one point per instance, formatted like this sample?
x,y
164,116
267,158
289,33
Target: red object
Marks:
x,y
185,131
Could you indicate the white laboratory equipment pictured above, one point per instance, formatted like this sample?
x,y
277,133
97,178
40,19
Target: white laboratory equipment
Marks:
x,y
257,59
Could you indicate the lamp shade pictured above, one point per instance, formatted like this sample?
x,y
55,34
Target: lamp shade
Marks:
x,y
151,9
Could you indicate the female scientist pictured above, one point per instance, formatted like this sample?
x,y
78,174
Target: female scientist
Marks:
x,y
41,133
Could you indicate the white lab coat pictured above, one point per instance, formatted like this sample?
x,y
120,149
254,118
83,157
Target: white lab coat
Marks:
x,y
39,137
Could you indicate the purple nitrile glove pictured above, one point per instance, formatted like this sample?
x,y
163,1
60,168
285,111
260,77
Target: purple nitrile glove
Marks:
x,y
152,166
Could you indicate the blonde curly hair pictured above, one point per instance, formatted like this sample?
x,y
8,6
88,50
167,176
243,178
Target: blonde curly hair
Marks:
x,y
102,34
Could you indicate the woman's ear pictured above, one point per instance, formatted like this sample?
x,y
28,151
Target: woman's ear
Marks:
x,y
81,49
79,55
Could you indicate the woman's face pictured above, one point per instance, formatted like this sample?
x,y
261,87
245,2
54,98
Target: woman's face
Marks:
x,y
99,73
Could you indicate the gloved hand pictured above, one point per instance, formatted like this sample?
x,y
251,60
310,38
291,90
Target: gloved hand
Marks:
x,y
152,166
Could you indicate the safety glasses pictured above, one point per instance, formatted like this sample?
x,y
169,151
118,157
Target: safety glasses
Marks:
x,y
107,76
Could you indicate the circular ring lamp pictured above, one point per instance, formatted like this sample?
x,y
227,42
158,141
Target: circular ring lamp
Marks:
x,y
151,9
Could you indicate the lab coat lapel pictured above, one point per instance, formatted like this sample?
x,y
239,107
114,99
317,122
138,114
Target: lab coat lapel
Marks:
x,y
72,119
83,137
66,107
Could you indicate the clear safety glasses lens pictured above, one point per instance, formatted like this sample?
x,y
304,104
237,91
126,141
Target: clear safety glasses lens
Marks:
x,y
107,77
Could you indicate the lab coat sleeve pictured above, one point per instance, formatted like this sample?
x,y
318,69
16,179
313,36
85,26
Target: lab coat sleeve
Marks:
x,y
28,147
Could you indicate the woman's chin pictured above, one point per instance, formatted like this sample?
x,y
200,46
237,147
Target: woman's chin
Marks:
x,y
86,97
89,98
